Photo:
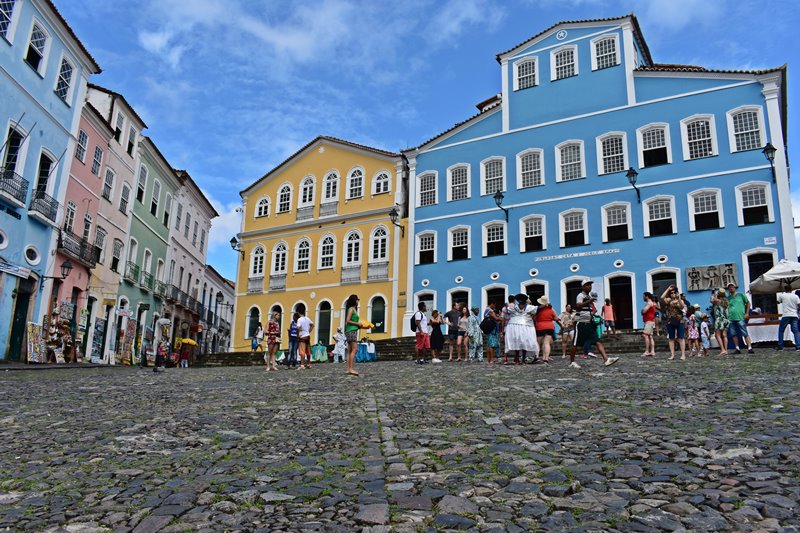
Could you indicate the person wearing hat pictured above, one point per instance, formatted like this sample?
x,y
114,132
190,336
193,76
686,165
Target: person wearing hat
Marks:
x,y
676,328
586,330
474,334
738,307
340,349
545,322
520,330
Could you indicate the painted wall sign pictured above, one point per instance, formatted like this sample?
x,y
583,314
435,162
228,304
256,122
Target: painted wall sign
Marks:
x,y
15,270
577,254
770,240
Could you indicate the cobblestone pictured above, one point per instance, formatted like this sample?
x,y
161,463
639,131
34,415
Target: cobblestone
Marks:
x,y
703,445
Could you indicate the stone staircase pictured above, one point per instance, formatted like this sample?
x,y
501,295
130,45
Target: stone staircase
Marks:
x,y
230,359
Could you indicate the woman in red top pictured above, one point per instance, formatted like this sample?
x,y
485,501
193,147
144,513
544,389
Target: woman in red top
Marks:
x,y
545,321
649,317
273,340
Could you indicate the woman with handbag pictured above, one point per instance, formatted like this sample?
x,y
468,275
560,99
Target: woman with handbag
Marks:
x,y
352,325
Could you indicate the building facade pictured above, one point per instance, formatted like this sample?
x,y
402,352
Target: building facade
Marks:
x,y
584,109
44,69
316,229
113,215
219,312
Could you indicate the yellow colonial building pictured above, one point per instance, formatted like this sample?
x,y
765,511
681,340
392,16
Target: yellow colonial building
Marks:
x,y
318,228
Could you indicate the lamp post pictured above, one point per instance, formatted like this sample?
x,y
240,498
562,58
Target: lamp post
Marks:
x,y
769,153
498,199
632,175
237,246
394,214
66,268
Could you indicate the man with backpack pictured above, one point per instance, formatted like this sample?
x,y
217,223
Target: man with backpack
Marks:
x,y
419,325
586,323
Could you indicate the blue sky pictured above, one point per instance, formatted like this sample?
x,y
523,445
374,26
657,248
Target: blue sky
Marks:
x,y
230,88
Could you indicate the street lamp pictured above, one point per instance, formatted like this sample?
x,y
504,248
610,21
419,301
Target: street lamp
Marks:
x,y
237,246
394,214
769,153
632,175
498,199
66,268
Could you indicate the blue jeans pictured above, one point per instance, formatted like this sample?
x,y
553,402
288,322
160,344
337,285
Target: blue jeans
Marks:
x,y
790,321
291,359
738,329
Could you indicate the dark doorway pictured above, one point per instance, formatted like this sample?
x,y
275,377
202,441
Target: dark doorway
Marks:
x,y
300,307
621,295
20,318
324,319
661,281
573,288
534,292
759,264
378,315
498,296
459,298
278,309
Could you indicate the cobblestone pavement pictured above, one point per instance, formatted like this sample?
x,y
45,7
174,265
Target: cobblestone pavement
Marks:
x,y
646,445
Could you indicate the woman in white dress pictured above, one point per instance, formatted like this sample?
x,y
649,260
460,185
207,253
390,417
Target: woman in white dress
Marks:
x,y
520,331
341,346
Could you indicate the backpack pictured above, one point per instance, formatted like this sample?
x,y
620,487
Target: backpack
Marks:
x,y
487,325
413,323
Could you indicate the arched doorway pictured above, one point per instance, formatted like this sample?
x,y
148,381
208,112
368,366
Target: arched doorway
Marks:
x,y
620,292
535,291
758,264
496,295
662,280
459,298
378,314
571,291
277,309
300,307
252,322
324,322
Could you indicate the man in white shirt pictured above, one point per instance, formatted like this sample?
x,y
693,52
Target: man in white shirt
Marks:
x,y
304,328
789,303
423,337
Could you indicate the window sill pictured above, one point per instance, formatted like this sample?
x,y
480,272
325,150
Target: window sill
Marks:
x,y
532,251
656,165
570,181
63,100
743,225
4,38
564,78
457,199
706,229
457,260
575,245
33,69
612,173
617,240
606,68
522,188
497,255
699,158
661,235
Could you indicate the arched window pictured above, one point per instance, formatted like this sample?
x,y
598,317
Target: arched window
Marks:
x,y
529,169
355,184
302,256
378,314
124,197
493,176
279,259
167,209
533,233
745,128
253,318
379,245
569,161
141,184
285,199
426,189
307,192
612,153
352,254
381,183
331,186
604,52
327,252
659,216
262,207
257,262
155,198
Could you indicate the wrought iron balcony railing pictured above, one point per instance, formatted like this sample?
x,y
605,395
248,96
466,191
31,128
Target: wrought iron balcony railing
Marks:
x,y
131,272
329,209
351,274
13,187
378,271
78,248
44,207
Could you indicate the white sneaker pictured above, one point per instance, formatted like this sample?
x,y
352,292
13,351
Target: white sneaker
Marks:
x,y
592,355
574,365
611,360
436,360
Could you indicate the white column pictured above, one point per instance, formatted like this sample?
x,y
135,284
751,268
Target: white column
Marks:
x,y
505,103
629,61
771,92
391,307
412,202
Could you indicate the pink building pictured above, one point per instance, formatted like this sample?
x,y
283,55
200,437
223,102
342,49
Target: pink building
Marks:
x,y
82,239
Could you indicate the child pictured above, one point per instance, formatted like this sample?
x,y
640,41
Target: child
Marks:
x,y
609,317
692,332
705,334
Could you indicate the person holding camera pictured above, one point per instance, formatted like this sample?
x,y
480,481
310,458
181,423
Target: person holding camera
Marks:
x,y
675,309
586,327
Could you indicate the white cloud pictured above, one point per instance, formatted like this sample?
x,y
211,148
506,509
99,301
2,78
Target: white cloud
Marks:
x,y
673,15
226,225
457,16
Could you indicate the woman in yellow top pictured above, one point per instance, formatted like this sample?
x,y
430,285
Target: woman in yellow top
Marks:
x,y
351,327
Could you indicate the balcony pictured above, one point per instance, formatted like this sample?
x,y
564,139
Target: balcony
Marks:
x,y
305,213
78,248
171,293
146,282
210,317
160,289
329,209
43,208
191,304
378,271
131,272
351,274
255,284
13,187
183,299
277,282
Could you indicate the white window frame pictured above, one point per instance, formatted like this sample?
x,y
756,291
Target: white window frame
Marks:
x,y
517,64
122,197
450,170
421,175
561,228
320,254
761,126
345,242
375,182
12,23
71,84
257,212
273,256
558,159
522,222
100,243
46,53
155,197
336,178
599,145
97,150
303,184
418,249
450,232
297,255
168,201
142,168
484,232
685,135
84,147
553,54
519,166
503,186
278,210
646,212
111,187
253,255
628,218
349,180
69,216
690,201
593,49
640,141
740,201
373,242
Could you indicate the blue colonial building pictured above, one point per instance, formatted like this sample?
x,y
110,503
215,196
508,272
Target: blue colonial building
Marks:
x,y
584,111
43,74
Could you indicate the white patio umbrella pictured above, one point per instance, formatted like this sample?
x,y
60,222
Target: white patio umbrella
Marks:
x,y
776,278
